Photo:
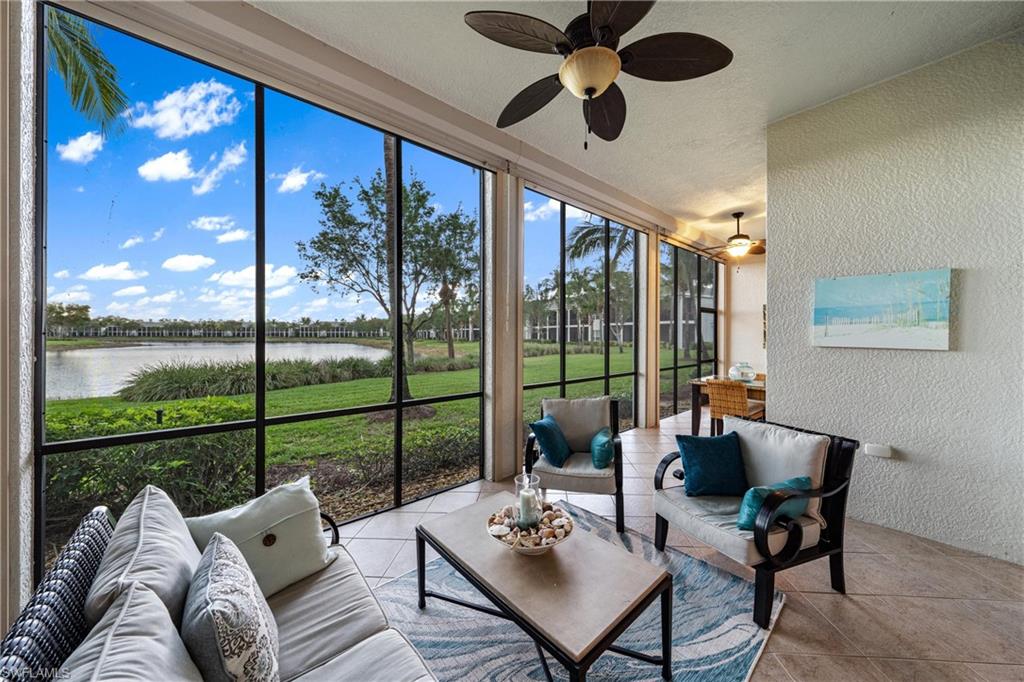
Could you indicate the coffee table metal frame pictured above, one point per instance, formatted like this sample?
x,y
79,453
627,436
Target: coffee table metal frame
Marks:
x,y
577,669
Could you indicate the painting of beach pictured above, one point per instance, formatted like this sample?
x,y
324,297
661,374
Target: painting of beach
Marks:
x,y
892,310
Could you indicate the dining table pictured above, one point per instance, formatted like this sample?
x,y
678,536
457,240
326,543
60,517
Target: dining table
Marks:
x,y
698,386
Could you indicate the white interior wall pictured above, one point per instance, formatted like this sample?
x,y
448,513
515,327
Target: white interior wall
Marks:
x,y
922,171
745,297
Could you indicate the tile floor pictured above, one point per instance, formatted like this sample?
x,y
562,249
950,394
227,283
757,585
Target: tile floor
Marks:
x,y
915,609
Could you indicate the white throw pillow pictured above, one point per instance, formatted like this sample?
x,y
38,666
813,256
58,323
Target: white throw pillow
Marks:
x,y
772,454
278,533
579,418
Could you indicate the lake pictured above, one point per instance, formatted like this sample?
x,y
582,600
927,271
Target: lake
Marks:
x,y
93,372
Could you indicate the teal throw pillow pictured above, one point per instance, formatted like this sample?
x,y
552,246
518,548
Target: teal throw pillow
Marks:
x,y
712,466
551,440
602,448
755,497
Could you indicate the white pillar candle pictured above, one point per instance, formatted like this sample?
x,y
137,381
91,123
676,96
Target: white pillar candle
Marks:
x,y
528,508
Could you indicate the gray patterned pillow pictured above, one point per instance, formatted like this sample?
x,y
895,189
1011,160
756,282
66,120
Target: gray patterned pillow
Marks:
x,y
227,625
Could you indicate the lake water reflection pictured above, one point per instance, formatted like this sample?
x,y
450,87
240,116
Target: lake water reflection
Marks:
x,y
92,372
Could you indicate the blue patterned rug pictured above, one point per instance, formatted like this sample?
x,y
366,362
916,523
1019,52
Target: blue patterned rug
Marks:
x,y
714,636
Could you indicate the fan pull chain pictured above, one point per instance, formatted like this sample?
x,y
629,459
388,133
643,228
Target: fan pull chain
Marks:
x,y
586,138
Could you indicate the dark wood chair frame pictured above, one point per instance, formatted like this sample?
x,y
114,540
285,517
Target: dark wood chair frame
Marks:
x,y
533,453
833,493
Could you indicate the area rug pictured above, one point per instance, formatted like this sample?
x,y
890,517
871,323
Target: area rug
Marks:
x,y
714,636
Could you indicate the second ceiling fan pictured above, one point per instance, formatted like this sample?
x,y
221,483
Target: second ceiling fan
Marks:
x,y
592,60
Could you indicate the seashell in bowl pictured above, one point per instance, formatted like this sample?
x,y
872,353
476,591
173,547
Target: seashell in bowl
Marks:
x,y
554,528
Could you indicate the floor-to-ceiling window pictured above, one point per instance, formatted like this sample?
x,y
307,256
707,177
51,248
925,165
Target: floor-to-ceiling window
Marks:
x,y
687,325
579,306
239,288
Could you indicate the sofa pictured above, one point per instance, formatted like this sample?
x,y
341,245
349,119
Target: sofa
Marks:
x,y
330,626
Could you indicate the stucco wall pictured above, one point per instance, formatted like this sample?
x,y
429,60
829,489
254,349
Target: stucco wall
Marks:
x,y
922,171
745,298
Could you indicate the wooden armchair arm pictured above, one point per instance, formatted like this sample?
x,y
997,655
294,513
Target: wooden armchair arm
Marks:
x,y
617,462
531,454
659,474
335,533
767,519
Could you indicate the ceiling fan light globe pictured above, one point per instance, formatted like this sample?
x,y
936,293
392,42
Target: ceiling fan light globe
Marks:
x,y
739,245
590,71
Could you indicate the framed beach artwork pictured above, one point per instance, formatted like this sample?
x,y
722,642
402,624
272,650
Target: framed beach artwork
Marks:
x,y
893,310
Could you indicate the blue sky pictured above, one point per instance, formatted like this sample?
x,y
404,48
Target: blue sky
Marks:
x,y
891,288
158,221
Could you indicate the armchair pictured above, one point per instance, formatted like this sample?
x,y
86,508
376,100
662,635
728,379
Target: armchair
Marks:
x,y
778,542
580,419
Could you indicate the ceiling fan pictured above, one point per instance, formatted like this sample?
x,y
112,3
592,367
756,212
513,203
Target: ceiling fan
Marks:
x,y
588,46
740,244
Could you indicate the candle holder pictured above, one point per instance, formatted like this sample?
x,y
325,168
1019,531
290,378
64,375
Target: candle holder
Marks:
x,y
529,504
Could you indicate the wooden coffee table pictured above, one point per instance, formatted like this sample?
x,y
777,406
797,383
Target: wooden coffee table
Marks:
x,y
574,601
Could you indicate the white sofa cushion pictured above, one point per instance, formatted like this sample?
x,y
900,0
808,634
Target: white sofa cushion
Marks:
x,y
278,533
323,615
712,520
151,545
577,474
385,657
579,418
135,640
773,453
227,626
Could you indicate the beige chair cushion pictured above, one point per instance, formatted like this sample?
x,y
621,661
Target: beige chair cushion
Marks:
x,y
712,520
577,474
772,454
384,657
579,418
151,545
134,640
323,615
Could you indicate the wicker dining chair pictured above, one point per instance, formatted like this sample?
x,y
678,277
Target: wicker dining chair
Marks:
x,y
728,398
760,376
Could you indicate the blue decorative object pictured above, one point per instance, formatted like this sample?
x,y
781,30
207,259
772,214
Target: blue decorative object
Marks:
x,y
602,448
713,466
755,497
552,441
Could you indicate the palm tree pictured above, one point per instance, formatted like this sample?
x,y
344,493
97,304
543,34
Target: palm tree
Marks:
x,y
89,77
588,237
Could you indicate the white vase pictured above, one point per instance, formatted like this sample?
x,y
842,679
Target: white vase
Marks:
x,y
742,371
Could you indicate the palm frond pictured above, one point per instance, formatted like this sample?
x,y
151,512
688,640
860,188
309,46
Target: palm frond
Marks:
x,y
89,77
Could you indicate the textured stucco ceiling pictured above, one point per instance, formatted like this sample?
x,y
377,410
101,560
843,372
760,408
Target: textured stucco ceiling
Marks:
x,y
694,149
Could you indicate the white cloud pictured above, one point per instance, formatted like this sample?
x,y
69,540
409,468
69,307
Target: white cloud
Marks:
x,y
62,274
282,292
230,159
138,309
295,179
169,167
136,290
81,149
246,277
212,223
232,303
159,233
131,241
232,236
80,189
166,297
77,293
188,111
185,262
117,271
532,213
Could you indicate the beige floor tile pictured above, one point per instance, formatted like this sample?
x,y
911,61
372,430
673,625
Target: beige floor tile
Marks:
x,y
450,501
417,506
405,560
638,505
804,668
906,670
490,487
814,576
391,525
472,486
888,541
801,628
637,486
769,669
995,672
629,471
603,505
1009,576
925,575
373,556
349,530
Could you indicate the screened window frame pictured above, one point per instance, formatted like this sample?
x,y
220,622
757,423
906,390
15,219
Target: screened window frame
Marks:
x,y
563,322
259,423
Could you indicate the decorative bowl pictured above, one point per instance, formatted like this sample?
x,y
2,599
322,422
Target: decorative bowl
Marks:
x,y
501,526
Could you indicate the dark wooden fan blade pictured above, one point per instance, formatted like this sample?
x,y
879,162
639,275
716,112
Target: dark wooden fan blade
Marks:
x,y
674,57
530,100
518,30
757,249
606,114
619,17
